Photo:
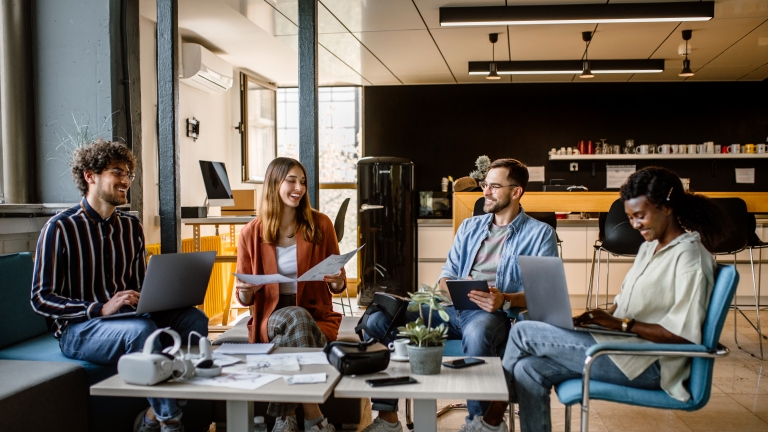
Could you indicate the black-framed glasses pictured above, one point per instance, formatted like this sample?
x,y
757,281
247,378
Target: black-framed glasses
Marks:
x,y
121,174
495,187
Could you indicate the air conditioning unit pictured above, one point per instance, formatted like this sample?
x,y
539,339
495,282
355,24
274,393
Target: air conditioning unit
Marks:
x,y
205,70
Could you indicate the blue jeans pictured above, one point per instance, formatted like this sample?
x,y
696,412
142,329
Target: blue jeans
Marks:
x,y
481,334
104,341
540,356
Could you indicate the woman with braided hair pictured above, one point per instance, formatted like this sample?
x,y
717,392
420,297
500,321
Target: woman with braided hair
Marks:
x,y
664,299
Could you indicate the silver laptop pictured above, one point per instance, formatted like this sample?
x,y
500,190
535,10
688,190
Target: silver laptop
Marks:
x,y
173,281
546,294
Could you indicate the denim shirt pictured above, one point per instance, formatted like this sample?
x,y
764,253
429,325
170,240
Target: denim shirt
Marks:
x,y
527,236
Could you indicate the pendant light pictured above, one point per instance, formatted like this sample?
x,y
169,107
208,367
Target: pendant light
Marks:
x,y
686,72
586,72
493,75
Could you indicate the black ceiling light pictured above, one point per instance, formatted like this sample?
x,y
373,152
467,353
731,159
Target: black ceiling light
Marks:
x,y
567,67
493,74
586,71
686,72
577,13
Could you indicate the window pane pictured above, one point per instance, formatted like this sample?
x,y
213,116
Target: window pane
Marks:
x,y
330,201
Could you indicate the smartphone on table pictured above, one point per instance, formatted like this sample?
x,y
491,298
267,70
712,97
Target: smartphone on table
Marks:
x,y
462,363
390,381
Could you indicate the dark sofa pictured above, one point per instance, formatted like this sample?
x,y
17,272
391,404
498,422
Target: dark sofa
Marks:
x,y
38,382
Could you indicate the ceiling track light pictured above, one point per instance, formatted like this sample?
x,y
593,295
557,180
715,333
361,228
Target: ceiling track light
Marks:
x,y
686,72
577,13
567,67
493,74
586,71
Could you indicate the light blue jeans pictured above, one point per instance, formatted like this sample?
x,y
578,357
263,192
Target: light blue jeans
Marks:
x,y
539,356
481,334
104,341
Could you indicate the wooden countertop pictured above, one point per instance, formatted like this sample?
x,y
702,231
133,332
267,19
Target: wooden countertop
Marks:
x,y
464,202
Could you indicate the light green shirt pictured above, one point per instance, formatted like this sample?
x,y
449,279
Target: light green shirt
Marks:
x,y
670,288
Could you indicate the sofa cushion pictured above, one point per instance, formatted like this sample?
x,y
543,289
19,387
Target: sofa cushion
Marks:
x,y
24,385
18,321
46,349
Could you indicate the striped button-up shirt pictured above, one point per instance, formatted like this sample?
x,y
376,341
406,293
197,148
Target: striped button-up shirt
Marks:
x,y
82,260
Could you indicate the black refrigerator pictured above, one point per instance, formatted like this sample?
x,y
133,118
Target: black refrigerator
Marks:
x,y
387,227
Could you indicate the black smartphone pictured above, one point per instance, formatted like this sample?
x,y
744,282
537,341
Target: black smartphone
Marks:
x,y
462,363
380,382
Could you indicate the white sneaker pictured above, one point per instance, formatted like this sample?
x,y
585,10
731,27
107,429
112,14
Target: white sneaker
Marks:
x,y
478,425
287,424
323,426
380,425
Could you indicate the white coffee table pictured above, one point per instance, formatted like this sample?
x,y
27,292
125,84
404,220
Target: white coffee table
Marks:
x,y
239,402
482,382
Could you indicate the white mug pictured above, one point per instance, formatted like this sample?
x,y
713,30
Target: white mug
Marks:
x,y
700,148
664,149
692,148
401,347
642,149
569,150
735,148
553,151
682,149
674,149
761,148
575,151
709,147
718,148
686,183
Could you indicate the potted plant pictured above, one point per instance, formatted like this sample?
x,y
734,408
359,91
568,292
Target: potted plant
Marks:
x,y
425,352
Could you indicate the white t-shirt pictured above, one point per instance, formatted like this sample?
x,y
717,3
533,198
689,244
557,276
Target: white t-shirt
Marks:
x,y
670,288
286,266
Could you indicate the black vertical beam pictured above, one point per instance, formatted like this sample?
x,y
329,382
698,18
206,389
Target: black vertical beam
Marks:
x,y
168,124
308,118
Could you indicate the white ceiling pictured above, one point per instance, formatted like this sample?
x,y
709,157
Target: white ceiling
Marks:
x,y
393,42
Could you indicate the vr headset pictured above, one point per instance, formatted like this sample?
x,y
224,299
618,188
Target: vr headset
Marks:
x,y
367,356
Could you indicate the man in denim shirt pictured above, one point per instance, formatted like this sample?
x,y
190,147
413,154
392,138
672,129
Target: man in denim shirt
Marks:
x,y
485,248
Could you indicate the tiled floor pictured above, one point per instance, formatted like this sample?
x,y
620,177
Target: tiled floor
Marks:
x,y
739,399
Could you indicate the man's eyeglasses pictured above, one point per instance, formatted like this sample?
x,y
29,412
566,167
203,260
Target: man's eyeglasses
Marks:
x,y
121,174
494,187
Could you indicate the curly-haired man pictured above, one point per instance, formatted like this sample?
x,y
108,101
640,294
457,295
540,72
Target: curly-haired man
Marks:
x,y
90,262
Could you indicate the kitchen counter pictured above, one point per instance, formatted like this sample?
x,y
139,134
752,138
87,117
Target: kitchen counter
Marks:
x,y
464,202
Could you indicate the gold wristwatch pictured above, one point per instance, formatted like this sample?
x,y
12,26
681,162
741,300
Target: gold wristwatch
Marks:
x,y
626,324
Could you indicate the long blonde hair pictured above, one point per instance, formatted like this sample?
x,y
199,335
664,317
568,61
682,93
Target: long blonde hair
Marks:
x,y
271,209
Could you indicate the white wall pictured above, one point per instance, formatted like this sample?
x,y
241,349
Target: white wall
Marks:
x,y
219,141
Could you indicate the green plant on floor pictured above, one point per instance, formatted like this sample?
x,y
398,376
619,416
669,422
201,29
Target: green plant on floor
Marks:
x,y
421,334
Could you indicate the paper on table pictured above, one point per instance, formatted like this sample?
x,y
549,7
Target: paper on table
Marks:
x,y
328,266
272,363
306,378
239,381
305,358
222,360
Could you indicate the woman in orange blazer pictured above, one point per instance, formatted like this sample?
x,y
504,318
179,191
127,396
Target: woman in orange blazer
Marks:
x,y
289,238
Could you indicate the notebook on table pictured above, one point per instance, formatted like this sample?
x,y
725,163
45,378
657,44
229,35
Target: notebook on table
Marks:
x,y
173,281
546,294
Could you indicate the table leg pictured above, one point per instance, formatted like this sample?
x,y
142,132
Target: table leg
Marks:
x,y
232,236
240,416
424,415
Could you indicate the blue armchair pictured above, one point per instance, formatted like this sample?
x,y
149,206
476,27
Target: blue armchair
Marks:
x,y
700,382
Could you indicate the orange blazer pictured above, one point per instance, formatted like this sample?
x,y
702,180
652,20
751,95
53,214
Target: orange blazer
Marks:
x,y
254,256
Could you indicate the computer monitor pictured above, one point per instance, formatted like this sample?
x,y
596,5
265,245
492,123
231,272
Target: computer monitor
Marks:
x,y
216,184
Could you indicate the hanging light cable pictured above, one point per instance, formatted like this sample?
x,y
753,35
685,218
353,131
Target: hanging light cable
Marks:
x,y
586,72
493,75
686,72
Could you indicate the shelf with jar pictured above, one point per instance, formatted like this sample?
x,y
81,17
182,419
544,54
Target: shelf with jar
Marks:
x,y
635,156
708,150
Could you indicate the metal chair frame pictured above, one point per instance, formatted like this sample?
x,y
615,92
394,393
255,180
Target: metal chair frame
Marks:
x,y
338,226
